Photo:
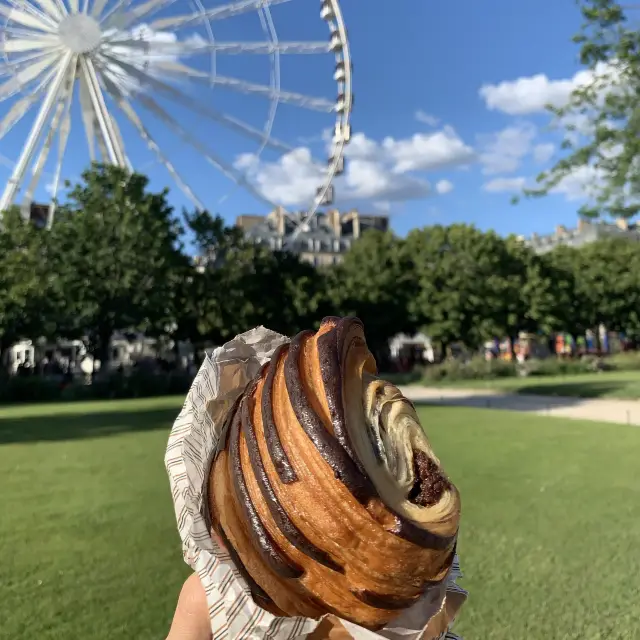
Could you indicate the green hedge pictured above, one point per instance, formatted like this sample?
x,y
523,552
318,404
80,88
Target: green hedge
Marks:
x,y
18,390
629,361
561,367
474,369
480,369
142,384
137,384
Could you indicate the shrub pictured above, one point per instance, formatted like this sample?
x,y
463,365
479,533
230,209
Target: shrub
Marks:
x,y
28,389
628,361
474,369
140,383
115,385
561,367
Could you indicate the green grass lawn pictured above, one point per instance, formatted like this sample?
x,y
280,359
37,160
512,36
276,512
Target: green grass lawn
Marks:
x,y
621,385
89,547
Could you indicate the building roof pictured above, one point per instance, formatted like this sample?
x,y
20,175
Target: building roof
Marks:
x,y
586,231
318,234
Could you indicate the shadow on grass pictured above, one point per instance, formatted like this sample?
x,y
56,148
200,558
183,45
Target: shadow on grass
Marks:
x,y
523,399
572,389
77,426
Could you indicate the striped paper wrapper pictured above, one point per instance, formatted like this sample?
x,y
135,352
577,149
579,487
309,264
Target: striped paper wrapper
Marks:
x,y
192,446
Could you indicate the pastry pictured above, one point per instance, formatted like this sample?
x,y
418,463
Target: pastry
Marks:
x,y
327,492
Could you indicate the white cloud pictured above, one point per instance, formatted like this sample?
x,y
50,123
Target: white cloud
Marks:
x,y
426,118
366,180
503,151
444,186
576,126
290,181
526,95
382,172
505,185
427,151
581,184
578,186
293,179
543,152
532,94
196,40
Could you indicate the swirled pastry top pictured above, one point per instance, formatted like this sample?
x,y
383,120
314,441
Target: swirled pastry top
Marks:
x,y
328,491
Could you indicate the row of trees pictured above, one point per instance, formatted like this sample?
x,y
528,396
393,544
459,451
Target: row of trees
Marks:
x,y
118,258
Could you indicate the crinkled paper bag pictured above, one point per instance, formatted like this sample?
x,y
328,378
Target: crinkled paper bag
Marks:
x,y
192,446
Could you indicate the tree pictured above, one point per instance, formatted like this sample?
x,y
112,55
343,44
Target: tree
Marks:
x,y
607,285
469,284
116,250
606,111
26,285
240,285
574,310
545,291
374,282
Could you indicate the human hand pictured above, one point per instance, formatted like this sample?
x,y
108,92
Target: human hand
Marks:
x,y
191,619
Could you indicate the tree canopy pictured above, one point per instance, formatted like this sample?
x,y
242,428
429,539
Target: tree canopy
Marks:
x,y
472,286
601,120
374,282
26,285
118,258
115,250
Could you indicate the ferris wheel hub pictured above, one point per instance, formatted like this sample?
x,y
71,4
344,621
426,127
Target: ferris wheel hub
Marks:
x,y
80,33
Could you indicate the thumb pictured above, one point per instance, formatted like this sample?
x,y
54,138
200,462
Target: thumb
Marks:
x,y
191,619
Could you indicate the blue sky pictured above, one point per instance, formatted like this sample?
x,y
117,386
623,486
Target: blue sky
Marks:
x,y
448,120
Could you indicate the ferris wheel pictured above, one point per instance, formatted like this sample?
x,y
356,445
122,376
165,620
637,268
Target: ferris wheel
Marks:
x,y
128,63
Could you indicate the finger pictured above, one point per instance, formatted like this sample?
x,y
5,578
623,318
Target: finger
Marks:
x,y
191,620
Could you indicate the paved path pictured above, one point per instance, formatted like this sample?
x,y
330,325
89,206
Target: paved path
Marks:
x,y
619,411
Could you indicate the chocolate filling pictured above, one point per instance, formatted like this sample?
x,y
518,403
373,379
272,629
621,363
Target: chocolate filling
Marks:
x,y
329,354
271,554
430,484
256,590
279,457
380,601
282,520
344,468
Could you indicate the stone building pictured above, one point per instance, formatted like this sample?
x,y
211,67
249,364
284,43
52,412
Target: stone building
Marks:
x,y
322,241
587,231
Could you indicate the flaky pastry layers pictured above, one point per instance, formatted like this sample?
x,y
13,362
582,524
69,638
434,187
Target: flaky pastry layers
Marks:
x,y
327,493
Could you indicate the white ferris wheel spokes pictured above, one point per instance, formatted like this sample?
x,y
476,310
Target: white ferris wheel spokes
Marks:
x,y
109,55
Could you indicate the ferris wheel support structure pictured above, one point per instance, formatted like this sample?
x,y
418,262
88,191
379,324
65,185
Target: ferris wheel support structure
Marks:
x,y
50,47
